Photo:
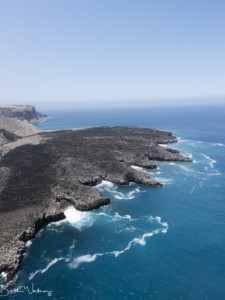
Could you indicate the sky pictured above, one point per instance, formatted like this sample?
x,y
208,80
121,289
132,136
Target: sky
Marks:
x,y
112,52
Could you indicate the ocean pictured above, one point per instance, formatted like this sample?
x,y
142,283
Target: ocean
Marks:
x,y
151,243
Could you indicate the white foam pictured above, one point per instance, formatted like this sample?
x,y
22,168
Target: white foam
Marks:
x,y
116,253
78,219
53,262
185,168
73,244
102,214
115,217
180,140
118,216
189,171
211,161
3,275
83,259
138,168
71,251
33,274
50,264
28,243
112,188
105,184
51,228
159,221
155,172
57,223
169,163
72,215
141,241
126,196
152,219
215,174
165,224
88,258
129,229
218,144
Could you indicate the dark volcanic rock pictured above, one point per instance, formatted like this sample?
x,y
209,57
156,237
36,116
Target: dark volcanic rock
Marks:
x,y
38,181
7,137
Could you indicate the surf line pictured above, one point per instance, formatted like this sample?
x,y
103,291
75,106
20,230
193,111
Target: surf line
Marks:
x,y
135,241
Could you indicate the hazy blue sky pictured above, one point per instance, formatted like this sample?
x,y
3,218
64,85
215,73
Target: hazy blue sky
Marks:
x,y
112,51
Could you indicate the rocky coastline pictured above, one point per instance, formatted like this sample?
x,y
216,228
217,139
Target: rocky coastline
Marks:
x,y
43,173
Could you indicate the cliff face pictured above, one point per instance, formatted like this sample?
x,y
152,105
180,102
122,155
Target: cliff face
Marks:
x,y
21,112
40,176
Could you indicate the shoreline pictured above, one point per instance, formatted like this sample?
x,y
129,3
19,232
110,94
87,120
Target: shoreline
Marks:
x,y
62,169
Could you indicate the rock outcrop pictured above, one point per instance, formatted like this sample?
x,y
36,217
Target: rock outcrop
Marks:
x,y
38,179
7,137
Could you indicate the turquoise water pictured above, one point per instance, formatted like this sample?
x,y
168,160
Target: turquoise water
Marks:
x,y
150,243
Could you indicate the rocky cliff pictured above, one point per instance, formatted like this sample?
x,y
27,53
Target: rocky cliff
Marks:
x,y
40,175
21,112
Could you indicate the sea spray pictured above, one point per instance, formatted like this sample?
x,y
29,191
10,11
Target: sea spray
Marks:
x,y
78,219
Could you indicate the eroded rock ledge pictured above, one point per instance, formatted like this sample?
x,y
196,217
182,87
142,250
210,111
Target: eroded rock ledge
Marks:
x,y
38,179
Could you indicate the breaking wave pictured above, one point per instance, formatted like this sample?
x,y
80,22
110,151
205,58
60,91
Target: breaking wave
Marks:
x,y
78,219
113,189
105,184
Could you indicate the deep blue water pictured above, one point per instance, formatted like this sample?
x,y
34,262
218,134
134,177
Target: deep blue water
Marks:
x,y
150,243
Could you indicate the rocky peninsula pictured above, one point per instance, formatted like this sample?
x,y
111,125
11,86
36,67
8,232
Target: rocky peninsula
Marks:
x,y
43,173
21,112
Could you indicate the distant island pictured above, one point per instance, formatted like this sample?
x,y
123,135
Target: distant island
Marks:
x,y
41,173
